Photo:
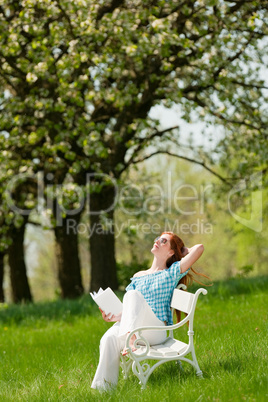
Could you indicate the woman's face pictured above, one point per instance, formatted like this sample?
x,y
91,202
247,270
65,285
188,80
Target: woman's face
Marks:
x,y
161,247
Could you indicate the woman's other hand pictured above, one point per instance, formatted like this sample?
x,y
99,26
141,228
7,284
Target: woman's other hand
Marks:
x,y
110,317
185,251
192,256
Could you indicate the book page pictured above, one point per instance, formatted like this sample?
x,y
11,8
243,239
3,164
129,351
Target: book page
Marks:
x,y
108,301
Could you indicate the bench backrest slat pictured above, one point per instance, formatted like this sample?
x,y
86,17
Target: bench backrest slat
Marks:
x,y
182,300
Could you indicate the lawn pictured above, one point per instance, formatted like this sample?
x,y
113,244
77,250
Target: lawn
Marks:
x,y
49,351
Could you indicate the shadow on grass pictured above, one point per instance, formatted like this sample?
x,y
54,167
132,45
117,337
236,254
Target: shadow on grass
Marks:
x,y
163,376
172,372
59,310
234,364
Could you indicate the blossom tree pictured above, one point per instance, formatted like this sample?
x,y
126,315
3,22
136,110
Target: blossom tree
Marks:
x,y
79,79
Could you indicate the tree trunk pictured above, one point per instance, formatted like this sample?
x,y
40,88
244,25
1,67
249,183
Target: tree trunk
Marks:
x,y
69,270
2,296
18,275
102,240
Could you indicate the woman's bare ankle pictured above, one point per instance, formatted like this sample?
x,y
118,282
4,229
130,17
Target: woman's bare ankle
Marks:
x,y
132,341
131,345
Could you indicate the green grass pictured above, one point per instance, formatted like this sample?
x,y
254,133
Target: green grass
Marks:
x,y
49,351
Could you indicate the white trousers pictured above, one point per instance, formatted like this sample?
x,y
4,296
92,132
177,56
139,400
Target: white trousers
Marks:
x,y
136,313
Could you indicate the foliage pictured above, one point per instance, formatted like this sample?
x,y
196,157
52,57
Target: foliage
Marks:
x,y
125,271
228,245
229,338
184,201
79,79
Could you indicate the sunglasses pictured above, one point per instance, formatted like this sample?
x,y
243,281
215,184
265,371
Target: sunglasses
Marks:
x,y
163,240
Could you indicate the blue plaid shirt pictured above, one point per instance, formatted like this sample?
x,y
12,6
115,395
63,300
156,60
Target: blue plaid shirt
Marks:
x,y
157,289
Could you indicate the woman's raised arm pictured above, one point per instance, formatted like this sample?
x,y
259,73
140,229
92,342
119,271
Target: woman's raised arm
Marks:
x,y
191,256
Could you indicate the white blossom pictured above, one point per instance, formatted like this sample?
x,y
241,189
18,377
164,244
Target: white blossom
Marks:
x,y
83,57
131,49
158,24
41,67
30,77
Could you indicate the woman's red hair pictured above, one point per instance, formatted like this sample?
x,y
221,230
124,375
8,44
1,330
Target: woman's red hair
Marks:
x,y
177,245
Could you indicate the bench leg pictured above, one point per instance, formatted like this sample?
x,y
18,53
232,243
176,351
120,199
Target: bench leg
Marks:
x,y
142,371
196,365
125,364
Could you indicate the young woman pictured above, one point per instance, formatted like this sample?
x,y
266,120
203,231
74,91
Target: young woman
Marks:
x,y
146,303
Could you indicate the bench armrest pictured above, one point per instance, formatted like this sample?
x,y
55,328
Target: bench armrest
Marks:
x,y
139,330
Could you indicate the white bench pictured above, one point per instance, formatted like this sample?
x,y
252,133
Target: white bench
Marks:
x,y
171,348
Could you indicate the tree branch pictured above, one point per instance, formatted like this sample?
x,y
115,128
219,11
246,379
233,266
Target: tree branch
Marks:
x,y
201,163
220,116
243,84
143,141
7,80
236,56
67,18
108,8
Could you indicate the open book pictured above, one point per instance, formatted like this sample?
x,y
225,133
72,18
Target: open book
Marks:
x,y
107,301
